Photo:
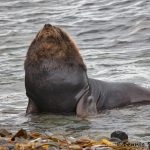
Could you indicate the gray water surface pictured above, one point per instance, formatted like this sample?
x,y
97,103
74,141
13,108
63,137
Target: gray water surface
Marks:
x,y
114,40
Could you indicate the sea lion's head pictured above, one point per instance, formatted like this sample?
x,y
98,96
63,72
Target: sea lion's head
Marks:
x,y
52,34
53,42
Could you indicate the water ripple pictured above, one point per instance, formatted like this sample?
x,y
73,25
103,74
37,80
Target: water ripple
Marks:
x,y
113,37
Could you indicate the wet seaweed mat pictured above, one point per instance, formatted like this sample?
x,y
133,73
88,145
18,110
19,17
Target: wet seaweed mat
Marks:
x,y
23,140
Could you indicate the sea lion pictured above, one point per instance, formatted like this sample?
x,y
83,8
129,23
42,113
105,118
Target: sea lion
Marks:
x,y
56,79
55,75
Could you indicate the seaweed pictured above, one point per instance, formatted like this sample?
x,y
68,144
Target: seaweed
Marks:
x,y
23,140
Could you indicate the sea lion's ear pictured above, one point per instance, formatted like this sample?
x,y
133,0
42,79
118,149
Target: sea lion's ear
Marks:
x,y
86,107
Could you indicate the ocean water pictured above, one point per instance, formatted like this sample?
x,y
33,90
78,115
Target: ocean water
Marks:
x,y
114,41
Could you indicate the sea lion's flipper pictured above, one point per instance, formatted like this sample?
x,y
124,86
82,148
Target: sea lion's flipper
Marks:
x,y
31,108
86,107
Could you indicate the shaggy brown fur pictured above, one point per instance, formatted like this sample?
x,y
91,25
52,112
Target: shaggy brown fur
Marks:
x,y
53,43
